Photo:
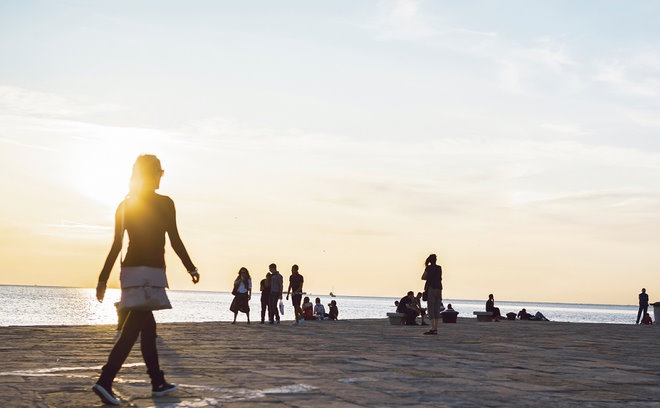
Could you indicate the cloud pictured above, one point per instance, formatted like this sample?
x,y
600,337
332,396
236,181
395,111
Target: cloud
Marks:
x,y
637,74
25,102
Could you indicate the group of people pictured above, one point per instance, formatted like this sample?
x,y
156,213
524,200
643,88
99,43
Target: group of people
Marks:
x,y
522,314
272,289
643,309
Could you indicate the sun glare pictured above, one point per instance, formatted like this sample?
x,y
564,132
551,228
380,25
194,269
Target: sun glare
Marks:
x,y
101,171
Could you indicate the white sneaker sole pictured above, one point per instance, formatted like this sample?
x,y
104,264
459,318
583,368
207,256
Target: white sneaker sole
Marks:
x,y
165,392
105,396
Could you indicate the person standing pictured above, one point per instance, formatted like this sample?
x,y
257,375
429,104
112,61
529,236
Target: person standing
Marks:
x,y
296,285
433,277
147,217
643,305
242,294
264,287
276,289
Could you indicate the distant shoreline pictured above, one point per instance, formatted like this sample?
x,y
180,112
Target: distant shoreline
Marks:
x,y
394,297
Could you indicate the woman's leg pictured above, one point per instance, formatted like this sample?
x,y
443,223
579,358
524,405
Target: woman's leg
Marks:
x,y
121,349
248,316
149,349
235,314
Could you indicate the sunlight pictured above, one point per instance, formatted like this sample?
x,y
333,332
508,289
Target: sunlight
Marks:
x,y
100,168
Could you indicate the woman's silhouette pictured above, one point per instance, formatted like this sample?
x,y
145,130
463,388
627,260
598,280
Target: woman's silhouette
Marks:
x,y
146,216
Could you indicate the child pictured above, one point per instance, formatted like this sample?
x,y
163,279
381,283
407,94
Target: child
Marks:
x,y
647,320
334,311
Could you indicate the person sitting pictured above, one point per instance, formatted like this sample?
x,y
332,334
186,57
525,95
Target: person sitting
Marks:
x,y
307,309
490,307
408,306
334,311
421,310
523,315
647,320
319,310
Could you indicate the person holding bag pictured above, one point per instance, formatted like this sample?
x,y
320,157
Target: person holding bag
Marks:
x,y
146,216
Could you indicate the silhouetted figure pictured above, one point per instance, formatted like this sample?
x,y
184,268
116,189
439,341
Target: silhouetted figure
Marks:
x,y
647,320
421,310
433,277
242,294
296,289
264,287
408,306
147,217
490,307
276,289
643,305
333,310
523,315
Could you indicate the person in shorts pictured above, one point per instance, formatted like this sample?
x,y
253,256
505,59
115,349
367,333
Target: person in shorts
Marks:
x,y
296,290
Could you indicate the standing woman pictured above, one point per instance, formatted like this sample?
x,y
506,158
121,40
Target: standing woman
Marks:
x,y
242,293
147,217
433,277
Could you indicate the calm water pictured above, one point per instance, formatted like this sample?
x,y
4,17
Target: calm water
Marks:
x,y
34,305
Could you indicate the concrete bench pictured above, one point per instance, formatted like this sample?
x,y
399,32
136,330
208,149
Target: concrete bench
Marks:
x,y
396,319
484,316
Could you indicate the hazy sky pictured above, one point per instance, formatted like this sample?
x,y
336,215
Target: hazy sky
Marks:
x,y
520,141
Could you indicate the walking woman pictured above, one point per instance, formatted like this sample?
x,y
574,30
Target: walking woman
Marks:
x,y
147,217
242,293
433,277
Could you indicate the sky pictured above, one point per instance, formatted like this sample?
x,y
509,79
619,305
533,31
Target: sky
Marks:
x,y
519,141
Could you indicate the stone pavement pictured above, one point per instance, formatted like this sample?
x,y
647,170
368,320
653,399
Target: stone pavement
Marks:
x,y
360,363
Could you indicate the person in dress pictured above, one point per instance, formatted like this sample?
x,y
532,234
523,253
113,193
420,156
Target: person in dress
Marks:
x,y
147,217
242,294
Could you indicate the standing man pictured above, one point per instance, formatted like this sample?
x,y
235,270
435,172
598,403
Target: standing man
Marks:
x,y
643,304
296,284
264,286
276,288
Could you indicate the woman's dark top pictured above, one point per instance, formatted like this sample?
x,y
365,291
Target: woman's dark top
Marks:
x,y
147,218
434,276
490,305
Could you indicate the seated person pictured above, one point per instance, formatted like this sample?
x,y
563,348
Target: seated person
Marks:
x,y
408,306
647,320
421,310
319,310
307,309
334,311
523,315
490,307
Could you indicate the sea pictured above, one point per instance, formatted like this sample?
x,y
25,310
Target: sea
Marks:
x,y
53,306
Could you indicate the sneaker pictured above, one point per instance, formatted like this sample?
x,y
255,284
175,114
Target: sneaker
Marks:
x,y
431,332
106,395
163,389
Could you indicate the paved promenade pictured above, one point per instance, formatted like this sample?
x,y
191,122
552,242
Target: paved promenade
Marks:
x,y
345,364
